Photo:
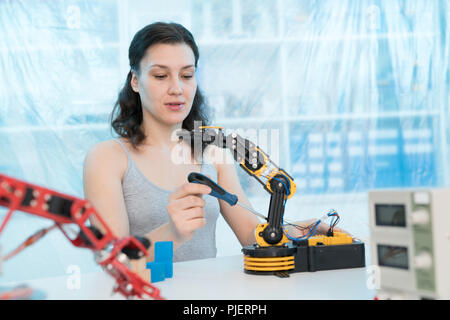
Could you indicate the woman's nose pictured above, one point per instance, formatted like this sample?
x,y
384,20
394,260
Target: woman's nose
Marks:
x,y
176,87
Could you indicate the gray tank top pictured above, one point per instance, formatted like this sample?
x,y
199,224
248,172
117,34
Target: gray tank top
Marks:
x,y
146,205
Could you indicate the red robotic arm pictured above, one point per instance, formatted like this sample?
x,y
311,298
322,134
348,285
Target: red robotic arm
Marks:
x,y
110,252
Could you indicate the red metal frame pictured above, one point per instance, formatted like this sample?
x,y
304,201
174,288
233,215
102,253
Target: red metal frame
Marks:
x,y
128,283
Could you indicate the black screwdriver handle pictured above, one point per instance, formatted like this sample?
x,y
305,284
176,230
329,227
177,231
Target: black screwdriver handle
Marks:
x,y
216,190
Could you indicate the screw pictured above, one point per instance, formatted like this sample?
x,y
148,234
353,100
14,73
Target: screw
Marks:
x,y
77,215
122,258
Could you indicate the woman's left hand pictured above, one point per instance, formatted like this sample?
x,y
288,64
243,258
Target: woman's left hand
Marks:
x,y
307,225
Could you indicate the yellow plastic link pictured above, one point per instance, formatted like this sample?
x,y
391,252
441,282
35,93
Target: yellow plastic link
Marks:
x,y
273,173
337,238
274,259
269,263
269,268
210,127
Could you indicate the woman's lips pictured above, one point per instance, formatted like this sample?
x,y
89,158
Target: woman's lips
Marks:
x,y
175,106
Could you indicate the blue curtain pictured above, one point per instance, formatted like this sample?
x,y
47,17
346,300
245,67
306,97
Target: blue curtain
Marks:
x,y
346,96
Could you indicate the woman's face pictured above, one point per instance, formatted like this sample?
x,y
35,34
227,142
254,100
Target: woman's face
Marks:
x,y
166,82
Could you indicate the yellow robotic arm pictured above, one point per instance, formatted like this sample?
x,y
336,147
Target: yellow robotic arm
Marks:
x,y
257,164
274,252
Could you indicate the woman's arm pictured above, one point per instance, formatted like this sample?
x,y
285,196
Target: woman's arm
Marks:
x,y
302,228
104,166
103,170
242,222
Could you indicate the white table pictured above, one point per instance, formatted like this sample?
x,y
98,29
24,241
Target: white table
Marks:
x,y
222,278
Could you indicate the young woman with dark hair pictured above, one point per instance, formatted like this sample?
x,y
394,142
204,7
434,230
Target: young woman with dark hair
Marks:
x,y
127,114
133,181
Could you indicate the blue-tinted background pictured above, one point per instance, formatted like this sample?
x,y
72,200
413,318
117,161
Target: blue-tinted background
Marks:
x,y
354,94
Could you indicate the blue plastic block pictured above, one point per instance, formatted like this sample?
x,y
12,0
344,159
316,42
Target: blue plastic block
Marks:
x,y
164,251
164,254
158,271
162,267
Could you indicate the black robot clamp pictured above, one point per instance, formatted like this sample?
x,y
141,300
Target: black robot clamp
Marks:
x,y
275,252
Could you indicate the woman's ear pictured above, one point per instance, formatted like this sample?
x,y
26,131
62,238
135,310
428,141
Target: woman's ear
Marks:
x,y
134,81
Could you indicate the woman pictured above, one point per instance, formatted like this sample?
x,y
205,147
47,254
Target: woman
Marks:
x,y
134,183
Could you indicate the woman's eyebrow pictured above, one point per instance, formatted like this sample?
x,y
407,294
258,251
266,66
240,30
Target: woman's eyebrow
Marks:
x,y
166,67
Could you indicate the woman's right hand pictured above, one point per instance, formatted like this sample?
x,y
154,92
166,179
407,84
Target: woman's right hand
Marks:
x,y
185,209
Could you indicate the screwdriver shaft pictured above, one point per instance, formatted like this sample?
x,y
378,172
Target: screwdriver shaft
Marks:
x,y
251,210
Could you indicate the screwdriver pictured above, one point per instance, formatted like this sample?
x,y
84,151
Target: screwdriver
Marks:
x,y
218,192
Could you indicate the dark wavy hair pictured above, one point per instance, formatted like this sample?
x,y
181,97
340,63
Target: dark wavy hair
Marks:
x,y
126,117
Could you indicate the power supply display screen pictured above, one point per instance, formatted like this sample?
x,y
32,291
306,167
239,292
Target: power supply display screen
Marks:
x,y
392,215
393,256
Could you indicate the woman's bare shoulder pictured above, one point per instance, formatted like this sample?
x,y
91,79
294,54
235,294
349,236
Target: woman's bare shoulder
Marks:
x,y
108,154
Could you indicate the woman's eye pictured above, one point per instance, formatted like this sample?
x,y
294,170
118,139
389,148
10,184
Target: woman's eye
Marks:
x,y
188,76
159,76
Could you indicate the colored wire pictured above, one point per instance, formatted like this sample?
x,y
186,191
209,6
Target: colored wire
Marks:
x,y
335,218
29,241
331,213
21,292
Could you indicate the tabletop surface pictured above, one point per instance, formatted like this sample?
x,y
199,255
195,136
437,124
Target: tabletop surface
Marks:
x,y
221,278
